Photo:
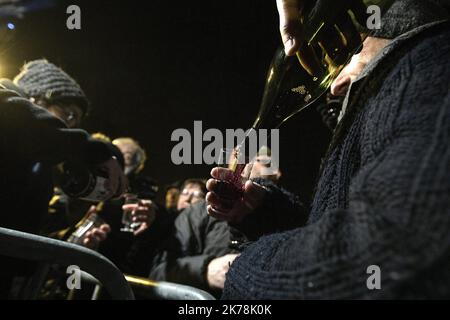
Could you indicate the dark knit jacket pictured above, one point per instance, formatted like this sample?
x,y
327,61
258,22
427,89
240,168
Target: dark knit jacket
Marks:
x,y
383,197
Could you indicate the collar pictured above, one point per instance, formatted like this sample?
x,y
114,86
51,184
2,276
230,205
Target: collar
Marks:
x,y
383,54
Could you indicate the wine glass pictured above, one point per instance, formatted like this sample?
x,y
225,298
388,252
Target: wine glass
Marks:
x,y
127,218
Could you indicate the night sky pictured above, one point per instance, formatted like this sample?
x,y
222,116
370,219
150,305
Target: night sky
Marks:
x,y
150,67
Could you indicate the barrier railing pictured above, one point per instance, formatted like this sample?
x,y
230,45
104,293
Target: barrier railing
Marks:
x,y
31,247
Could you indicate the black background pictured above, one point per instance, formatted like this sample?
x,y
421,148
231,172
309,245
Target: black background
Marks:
x,y
150,67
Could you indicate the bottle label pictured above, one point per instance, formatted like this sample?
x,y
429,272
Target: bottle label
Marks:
x,y
98,192
92,221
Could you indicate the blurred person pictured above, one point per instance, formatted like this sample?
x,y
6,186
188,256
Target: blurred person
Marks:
x,y
50,87
201,248
132,252
382,199
135,157
196,252
171,198
66,214
192,191
33,142
133,154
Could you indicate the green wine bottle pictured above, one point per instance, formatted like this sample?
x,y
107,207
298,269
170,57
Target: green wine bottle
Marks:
x,y
330,40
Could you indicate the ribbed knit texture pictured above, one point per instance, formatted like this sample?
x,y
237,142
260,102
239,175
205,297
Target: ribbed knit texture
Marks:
x,y
406,15
42,79
383,198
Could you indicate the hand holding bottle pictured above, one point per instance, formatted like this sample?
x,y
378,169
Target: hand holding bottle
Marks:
x,y
326,19
97,234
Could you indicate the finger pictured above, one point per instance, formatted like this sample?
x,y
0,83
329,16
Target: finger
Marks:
x,y
341,84
92,209
105,228
99,234
140,218
220,186
141,210
145,203
223,205
222,174
216,214
90,242
289,12
130,207
210,184
213,185
144,226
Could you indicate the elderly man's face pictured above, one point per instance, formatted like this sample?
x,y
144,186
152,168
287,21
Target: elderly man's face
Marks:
x,y
129,151
371,47
191,194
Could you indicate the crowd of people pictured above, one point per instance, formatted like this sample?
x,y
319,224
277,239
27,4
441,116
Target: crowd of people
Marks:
x,y
173,241
382,199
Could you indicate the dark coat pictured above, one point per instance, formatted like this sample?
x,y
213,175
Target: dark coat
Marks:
x,y
134,254
196,240
383,198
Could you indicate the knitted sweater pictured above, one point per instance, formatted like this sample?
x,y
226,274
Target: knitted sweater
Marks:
x,y
383,198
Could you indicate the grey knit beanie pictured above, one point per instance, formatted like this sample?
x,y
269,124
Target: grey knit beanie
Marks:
x,y
43,80
406,15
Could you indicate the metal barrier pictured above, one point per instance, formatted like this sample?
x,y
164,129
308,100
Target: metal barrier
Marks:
x,y
155,290
50,251
166,290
